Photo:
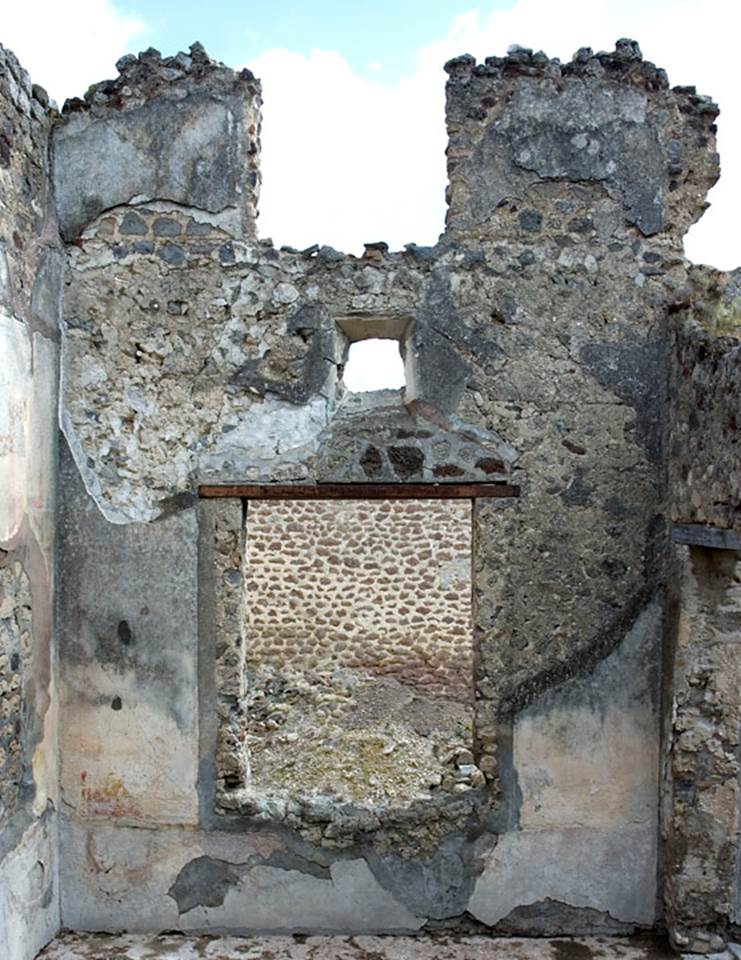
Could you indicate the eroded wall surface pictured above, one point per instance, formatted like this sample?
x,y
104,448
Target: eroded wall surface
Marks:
x,y
537,350
30,277
702,782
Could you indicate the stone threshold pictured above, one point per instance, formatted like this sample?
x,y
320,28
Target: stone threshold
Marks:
x,y
72,946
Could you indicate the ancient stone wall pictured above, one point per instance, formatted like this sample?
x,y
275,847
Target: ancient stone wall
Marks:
x,y
15,664
706,403
30,275
702,788
539,338
358,648
535,341
383,587
702,891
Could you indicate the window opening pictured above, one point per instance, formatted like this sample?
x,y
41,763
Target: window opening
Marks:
x,y
374,364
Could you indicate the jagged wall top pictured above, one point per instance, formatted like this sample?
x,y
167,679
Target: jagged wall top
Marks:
x,y
524,125
150,75
182,130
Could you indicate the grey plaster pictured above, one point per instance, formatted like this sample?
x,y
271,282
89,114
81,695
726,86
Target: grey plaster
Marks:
x,y
98,893
610,871
155,152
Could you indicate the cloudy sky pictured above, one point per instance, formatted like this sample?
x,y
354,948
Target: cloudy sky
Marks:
x,y
353,138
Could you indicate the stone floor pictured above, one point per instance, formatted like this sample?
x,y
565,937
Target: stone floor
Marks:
x,y
172,947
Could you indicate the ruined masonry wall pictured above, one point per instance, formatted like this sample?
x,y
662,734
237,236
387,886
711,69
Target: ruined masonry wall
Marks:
x,y
15,664
378,586
705,460
538,336
535,340
702,892
31,266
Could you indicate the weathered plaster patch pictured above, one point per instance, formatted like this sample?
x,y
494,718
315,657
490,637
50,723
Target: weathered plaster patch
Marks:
x,y
587,752
609,870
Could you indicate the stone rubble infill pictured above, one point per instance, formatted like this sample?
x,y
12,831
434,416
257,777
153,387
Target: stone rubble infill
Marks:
x,y
169,947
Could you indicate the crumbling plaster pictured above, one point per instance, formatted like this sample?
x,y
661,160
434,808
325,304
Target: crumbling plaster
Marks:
x,y
535,336
31,264
546,337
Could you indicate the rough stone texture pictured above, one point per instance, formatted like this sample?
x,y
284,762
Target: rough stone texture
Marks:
x,y
702,892
555,338
608,124
31,265
76,947
15,664
381,587
706,404
358,649
144,136
536,341
701,788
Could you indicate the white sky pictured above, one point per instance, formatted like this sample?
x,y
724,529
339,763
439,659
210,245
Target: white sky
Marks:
x,y
347,159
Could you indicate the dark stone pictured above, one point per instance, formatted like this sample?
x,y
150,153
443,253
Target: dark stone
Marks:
x,y
171,254
226,253
406,461
4,150
41,95
125,634
330,255
580,225
531,220
166,227
132,224
572,447
491,465
615,569
372,462
448,470
196,229
116,703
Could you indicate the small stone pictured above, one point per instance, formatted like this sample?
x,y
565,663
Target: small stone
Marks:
x,y
226,253
166,227
123,64
196,229
531,220
330,255
171,254
626,49
41,95
132,224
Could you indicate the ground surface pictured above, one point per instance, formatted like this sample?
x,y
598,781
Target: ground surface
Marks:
x,y
171,947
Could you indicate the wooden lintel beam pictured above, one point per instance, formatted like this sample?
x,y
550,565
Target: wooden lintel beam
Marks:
x,y
359,491
706,535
